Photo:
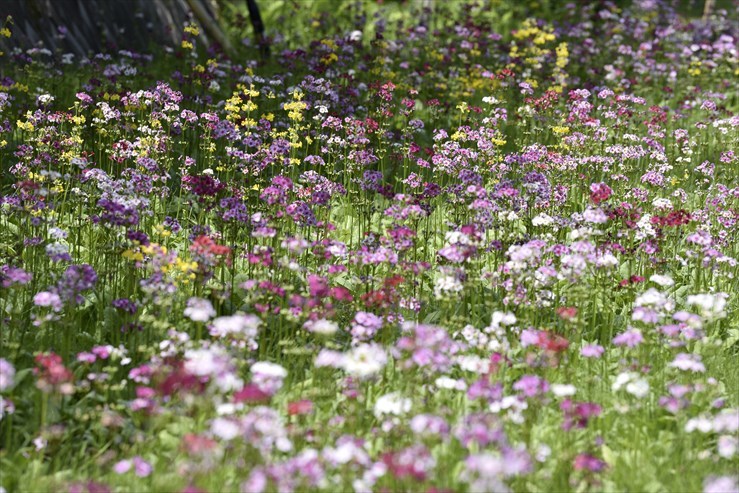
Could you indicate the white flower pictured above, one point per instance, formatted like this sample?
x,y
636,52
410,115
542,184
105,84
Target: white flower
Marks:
x,y
664,281
457,237
268,369
392,404
450,383
473,363
727,446
237,326
327,357
322,327
40,443
542,219
228,408
446,284
727,421
638,388
651,297
662,204
701,423
45,99
224,428
206,362
229,381
607,260
711,305
199,310
365,360
645,227
563,390
268,376
503,318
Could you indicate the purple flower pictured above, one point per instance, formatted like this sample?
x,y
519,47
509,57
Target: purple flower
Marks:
x,y
141,467
688,362
76,279
481,429
47,298
592,351
125,305
531,385
13,275
630,338
7,374
365,325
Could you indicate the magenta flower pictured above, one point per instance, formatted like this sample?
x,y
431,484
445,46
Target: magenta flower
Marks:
x,y
589,463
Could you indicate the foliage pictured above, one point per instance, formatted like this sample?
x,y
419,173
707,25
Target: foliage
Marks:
x,y
469,251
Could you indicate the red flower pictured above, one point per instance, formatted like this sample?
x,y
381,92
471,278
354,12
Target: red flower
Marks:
x,y
52,374
299,407
567,313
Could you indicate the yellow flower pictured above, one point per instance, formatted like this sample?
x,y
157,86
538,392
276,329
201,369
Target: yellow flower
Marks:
x,y
186,267
562,55
27,126
133,256
329,59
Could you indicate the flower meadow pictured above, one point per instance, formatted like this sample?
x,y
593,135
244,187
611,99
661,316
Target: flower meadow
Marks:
x,y
459,250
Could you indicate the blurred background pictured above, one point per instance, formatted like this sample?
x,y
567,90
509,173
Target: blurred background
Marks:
x,y
88,27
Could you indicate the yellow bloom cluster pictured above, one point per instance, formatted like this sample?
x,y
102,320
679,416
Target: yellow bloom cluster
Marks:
x,y
192,30
295,108
562,55
27,126
240,105
161,259
538,35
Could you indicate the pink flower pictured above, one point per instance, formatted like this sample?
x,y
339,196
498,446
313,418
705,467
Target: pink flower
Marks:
x,y
592,351
141,468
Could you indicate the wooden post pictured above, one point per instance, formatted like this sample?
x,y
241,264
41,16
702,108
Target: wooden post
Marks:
x,y
210,26
256,21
